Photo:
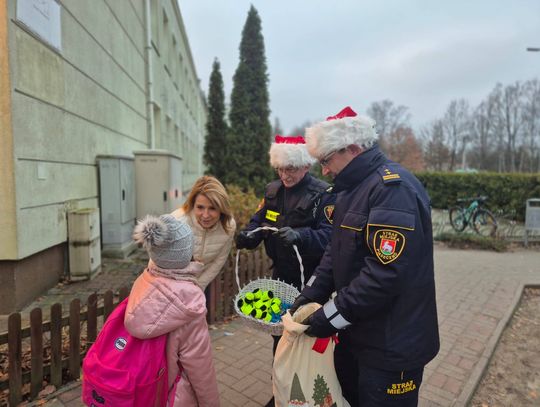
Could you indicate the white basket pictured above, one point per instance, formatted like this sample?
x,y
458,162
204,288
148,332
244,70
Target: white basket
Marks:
x,y
285,292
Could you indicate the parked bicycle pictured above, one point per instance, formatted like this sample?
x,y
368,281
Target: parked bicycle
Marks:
x,y
480,219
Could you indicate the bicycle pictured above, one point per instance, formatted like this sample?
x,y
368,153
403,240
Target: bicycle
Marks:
x,y
480,219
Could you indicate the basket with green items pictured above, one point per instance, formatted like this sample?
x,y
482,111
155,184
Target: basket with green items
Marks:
x,y
261,302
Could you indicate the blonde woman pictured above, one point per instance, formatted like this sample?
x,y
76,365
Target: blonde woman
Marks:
x,y
207,211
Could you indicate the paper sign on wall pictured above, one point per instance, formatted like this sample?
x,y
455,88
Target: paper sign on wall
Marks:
x,y
43,18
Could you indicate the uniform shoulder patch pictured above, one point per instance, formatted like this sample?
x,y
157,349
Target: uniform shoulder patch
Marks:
x,y
330,189
388,245
328,212
389,176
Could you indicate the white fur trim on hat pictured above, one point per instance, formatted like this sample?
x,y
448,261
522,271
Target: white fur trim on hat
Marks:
x,y
333,135
284,155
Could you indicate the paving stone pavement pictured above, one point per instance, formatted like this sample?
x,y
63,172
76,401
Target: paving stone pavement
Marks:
x,y
477,292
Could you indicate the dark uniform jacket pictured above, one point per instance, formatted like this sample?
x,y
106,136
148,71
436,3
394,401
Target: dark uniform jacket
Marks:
x,y
380,263
306,207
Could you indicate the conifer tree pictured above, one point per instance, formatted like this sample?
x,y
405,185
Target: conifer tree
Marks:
x,y
249,137
216,127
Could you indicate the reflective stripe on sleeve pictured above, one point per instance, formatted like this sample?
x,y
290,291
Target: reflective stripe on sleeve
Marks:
x,y
333,315
311,280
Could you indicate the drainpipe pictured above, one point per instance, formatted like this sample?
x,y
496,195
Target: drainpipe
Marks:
x,y
149,76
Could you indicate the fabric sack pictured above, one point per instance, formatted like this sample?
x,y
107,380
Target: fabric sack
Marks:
x,y
303,372
120,370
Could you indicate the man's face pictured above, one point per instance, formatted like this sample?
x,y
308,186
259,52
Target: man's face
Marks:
x,y
290,176
334,162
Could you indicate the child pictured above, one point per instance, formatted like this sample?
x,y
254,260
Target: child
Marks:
x,y
165,298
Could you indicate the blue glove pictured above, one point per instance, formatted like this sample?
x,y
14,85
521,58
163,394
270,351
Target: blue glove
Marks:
x,y
288,236
319,326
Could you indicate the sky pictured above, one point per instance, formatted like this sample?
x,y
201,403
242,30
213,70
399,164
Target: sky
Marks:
x,y
323,55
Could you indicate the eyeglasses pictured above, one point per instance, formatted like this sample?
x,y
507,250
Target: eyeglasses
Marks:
x,y
287,170
326,160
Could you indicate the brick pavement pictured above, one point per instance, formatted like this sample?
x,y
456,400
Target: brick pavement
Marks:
x,y
477,293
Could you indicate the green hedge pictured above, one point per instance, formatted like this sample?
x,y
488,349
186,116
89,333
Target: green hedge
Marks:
x,y
506,193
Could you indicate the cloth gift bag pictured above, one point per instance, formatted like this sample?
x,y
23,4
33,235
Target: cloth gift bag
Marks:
x,y
303,372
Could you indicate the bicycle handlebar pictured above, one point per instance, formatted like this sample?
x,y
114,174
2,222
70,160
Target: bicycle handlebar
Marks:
x,y
482,198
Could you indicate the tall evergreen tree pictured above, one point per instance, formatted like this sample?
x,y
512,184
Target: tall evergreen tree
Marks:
x,y
249,137
216,127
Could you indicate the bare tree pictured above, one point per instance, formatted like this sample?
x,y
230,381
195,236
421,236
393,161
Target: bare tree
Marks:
x,y
531,117
512,120
483,129
403,147
436,152
456,127
388,118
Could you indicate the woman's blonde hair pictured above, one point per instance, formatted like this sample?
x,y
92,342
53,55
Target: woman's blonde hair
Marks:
x,y
214,190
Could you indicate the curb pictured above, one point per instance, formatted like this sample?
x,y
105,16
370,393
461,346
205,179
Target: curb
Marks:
x,y
478,372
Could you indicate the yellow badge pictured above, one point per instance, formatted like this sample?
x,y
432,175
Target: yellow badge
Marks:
x,y
388,245
261,204
328,212
271,215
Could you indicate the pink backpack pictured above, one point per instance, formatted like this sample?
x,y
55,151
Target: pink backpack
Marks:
x,y
120,370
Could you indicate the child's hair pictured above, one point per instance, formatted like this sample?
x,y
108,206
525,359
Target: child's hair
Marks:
x,y
168,241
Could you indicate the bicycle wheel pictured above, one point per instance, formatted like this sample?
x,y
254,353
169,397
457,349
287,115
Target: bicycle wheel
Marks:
x,y
484,223
457,218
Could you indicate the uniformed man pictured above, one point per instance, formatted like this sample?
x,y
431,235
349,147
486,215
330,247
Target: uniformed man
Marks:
x,y
380,265
300,206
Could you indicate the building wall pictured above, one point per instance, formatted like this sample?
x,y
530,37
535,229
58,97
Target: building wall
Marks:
x,y
63,107
179,110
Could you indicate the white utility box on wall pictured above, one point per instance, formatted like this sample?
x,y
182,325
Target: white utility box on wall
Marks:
x,y
117,204
158,182
84,243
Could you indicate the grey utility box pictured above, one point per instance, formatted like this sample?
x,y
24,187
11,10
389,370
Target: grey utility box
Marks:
x,y
532,217
158,182
84,245
117,200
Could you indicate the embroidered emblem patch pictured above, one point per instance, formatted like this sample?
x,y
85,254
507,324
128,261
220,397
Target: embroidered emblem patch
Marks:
x,y
260,206
271,215
328,212
388,245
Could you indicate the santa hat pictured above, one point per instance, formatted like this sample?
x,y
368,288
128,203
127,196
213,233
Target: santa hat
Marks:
x,y
289,151
340,131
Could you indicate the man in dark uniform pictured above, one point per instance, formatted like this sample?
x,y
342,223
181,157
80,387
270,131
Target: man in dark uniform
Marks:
x,y
300,206
380,265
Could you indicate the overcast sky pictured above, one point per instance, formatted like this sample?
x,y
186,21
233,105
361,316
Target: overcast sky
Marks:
x,y
323,55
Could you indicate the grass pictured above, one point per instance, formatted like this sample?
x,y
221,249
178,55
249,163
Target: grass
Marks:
x,y
472,241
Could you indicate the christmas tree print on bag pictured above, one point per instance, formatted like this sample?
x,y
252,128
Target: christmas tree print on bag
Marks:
x,y
303,364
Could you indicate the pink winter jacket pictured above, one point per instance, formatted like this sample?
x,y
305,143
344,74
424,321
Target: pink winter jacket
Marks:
x,y
159,305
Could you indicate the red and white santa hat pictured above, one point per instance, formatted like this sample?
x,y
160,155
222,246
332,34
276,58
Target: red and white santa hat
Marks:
x,y
289,152
339,131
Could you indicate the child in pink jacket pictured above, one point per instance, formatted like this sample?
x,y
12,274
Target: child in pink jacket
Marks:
x,y
165,298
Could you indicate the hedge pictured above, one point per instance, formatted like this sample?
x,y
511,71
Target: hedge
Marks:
x,y
506,193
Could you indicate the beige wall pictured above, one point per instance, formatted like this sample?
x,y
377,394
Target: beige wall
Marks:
x,y
60,108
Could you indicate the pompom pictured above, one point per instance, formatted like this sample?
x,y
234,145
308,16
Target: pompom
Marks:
x,y
150,232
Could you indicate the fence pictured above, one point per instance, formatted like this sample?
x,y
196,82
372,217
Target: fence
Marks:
x,y
57,347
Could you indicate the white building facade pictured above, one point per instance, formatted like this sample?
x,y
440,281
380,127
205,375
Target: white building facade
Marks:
x,y
82,79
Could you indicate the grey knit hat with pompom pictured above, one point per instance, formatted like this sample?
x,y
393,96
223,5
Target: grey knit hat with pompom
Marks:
x,y
168,241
